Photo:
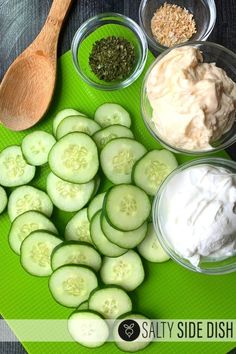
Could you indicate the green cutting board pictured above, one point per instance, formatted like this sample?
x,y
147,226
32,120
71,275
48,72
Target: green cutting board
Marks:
x,y
168,292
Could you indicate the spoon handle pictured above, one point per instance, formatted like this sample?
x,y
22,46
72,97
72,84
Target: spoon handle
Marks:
x,y
48,37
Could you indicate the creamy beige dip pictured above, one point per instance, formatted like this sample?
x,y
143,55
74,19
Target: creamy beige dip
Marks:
x,y
194,103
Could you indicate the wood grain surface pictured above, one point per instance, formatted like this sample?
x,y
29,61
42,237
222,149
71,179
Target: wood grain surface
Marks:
x,y
21,21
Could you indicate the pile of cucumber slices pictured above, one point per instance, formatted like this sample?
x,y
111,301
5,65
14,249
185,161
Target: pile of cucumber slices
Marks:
x,y
95,266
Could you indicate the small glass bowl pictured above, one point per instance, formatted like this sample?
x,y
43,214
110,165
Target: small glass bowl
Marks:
x,y
204,13
98,27
207,265
212,53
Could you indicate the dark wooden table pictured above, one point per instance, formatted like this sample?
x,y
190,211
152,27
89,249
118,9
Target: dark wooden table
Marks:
x,y
21,20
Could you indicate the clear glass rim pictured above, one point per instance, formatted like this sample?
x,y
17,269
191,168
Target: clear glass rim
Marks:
x,y
122,20
228,143
157,46
227,163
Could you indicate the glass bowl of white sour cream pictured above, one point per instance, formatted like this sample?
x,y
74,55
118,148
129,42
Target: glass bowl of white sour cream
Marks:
x,y
194,215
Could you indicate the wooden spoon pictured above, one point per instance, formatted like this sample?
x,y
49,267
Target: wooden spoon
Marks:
x,y
27,87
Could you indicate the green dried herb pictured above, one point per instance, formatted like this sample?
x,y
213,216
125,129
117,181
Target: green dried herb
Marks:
x,y
112,58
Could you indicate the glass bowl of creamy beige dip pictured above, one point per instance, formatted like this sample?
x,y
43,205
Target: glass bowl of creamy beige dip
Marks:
x,y
188,99
194,215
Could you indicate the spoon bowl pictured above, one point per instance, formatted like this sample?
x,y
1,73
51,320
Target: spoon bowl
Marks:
x,y
28,85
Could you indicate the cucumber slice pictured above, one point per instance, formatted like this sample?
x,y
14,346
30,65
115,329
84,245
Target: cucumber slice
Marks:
x,y
88,329
110,302
127,207
74,158
103,136
36,250
69,196
73,252
27,198
97,181
26,223
134,345
14,169
83,306
70,285
152,169
3,199
62,115
95,205
112,113
118,158
103,245
36,147
126,271
78,228
150,247
128,239
77,124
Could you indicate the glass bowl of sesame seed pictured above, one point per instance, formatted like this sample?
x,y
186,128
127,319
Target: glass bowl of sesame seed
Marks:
x,y
167,23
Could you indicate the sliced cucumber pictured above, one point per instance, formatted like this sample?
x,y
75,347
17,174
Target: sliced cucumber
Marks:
x,y
112,113
150,247
26,223
74,252
95,205
128,239
62,115
118,158
103,136
134,345
74,158
36,146
110,302
83,306
3,199
127,207
70,285
14,169
97,181
77,124
69,196
78,228
36,250
103,245
152,169
126,271
88,329
27,198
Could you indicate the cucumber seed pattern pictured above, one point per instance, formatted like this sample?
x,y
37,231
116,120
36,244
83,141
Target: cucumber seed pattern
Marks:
x,y
156,172
121,270
128,205
110,308
83,231
67,189
74,157
15,165
81,128
26,229
114,119
123,162
77,258
28,202
38,147
40,254
105,140
74,286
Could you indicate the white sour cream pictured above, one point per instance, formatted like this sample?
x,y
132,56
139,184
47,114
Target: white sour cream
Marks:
x,y
199,206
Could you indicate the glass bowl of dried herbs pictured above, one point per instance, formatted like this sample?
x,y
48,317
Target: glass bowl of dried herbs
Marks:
x,y
109,51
